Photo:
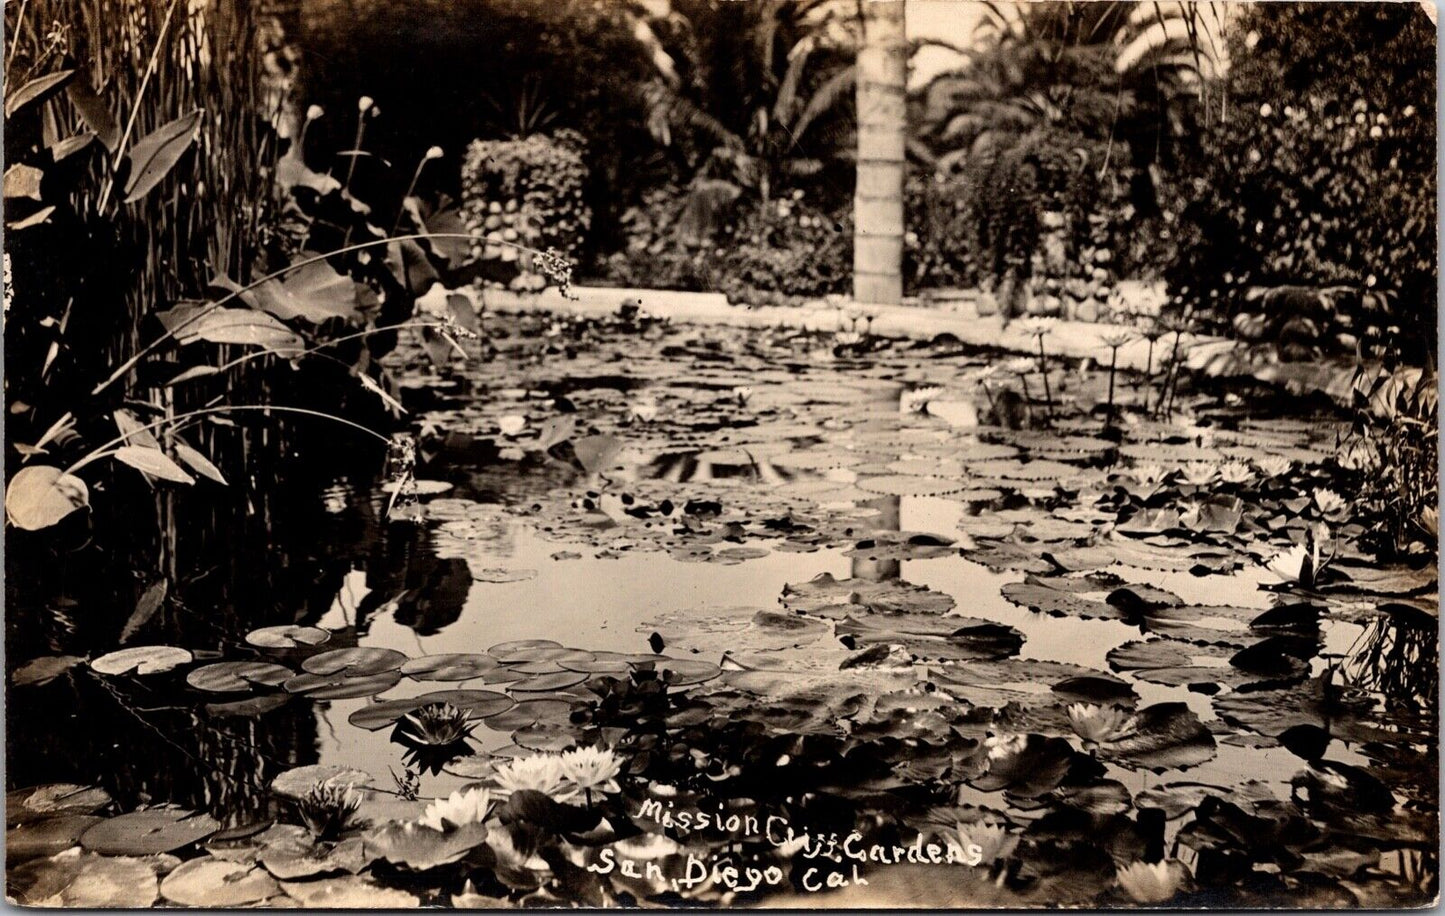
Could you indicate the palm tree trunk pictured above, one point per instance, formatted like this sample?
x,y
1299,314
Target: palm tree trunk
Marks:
x,y
878,199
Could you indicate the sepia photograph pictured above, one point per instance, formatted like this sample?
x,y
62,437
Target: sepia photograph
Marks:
x,y
721,454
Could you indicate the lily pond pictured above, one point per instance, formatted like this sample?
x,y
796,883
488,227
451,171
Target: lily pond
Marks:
x,y
645,614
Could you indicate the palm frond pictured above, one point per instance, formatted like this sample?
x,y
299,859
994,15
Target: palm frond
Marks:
x,y
829,93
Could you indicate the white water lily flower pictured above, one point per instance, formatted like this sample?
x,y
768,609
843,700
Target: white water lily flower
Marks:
x,y
1000,746
1236,472
1149,475
993,840
1273,465
538,773
1021,365
1100,723
1199,473
644,410
512,424
1301,564
916,400
1357,456
1037,326
1330,503
1155,882
592,768
457,809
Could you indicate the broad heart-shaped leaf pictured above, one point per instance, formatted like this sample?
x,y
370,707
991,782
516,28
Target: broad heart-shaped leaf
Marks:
x,y
448,219
155,154
23,180
141,660
152,461
288,636
47,837
314,292
41,495
199,463
597,453
291,172
36,89
231,326
94,112
408,263
355,661
23,806
1025,765
148,832
85,881
348,892
237,677
1167,736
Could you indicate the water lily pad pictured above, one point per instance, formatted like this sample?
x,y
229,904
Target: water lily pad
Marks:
x,y
829,597
1166,736
1176,799
141,660
421,848
236,677
497,575
342,686
453,667
148,832
251,707
1002,556
23,806
296,782
530,712
902,485
348,892
208,882
288,637
43,670
903,546
545,738
521,650
543,683
683,672
354,662
46,837
1067,596
84,881
299,856
1025,766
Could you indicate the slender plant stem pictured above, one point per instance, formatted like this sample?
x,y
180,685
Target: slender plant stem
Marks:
x,y
101,451
1044,371
1113,367
401,208
15,41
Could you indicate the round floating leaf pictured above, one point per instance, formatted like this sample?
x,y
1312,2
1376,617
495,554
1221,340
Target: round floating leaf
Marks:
x,y
249,707
683,672
1026,765
545,738
421,848
530,712
1167,736
348,892
542,683
237,677
32,804
420,487
823,592
141,660
476,704
342,686
902,485
292,857
295,783
502,576
39,496
207,882
455,667
148,832
43,670
85,881
288,637
521,650
381,714
354,662
46,837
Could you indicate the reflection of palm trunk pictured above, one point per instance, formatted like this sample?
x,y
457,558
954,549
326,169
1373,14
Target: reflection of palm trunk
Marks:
x,y
888,520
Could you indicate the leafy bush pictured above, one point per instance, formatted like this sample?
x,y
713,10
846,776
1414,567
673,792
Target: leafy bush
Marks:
x,y
788,251
936,250
527,191
1314,174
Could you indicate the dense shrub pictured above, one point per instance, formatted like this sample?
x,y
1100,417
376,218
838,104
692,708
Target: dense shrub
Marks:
x,y
936,250
528,191
780,253
1320,175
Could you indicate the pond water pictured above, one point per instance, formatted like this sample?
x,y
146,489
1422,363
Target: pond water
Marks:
x,y
929,596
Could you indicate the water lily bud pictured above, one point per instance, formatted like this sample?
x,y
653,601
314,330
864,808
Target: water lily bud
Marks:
x,y
365,102
315,113
434,152
375,111
1265,110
